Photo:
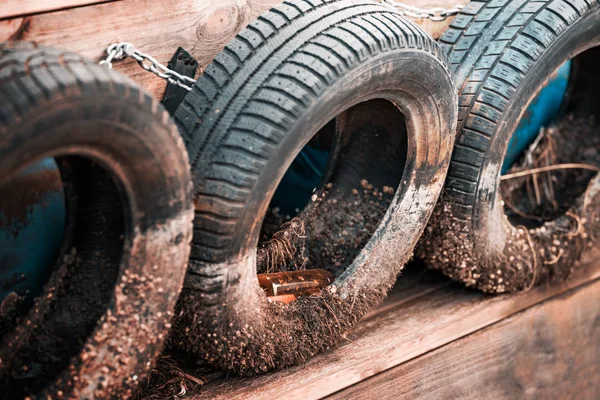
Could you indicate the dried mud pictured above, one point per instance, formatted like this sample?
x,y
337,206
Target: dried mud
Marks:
x,y
308,240
28,353
549,218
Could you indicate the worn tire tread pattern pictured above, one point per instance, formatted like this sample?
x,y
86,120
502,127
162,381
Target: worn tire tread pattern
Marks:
x,y
53,99
516,40
249,74
29,63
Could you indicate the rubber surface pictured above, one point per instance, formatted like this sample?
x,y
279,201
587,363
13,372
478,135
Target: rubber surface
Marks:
x,y
105,310
256,105
493,48
501,52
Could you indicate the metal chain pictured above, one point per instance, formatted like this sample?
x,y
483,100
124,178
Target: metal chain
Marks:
x,y
434,13
120,51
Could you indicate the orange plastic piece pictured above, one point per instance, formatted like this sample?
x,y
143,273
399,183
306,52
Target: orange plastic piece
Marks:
x,y
287,286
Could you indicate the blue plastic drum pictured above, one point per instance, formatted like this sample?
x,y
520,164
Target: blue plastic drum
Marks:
x,y
541,112
30,239
32,226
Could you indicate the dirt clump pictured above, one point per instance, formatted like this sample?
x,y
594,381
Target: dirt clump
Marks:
x,y
176,376
550,217
29,343
281,334
327,234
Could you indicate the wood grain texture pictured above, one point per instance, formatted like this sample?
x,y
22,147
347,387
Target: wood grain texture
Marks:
x,y
11,8
548,351
201,27
157,28
401,330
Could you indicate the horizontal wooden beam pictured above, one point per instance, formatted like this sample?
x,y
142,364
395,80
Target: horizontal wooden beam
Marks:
x,y
201,27
407,326
12,8
548,351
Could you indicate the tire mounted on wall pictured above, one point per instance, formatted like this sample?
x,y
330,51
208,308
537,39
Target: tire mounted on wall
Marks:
x,y
502,52
105,310
256,106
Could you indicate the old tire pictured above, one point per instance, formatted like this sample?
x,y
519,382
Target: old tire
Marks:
x,y
262,99
501,54
106,308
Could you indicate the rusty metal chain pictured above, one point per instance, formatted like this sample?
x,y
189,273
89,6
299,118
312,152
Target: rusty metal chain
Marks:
x,y
120,51
434,13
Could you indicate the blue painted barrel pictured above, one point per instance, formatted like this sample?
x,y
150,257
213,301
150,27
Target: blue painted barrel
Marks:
x,y
30,240
306,171
32,226
541,112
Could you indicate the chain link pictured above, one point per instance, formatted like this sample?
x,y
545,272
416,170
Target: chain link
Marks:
x,y
120,51
434,13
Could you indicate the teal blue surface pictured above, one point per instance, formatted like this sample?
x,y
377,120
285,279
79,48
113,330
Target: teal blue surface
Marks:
x,y
301,178
540,113
30,249
304,175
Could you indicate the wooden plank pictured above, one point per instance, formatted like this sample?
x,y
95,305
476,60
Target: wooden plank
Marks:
x,y
548,351
404,331
12,8
201,27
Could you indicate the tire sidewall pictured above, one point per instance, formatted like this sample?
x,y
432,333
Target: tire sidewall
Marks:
x,y
489,220
136,145
422,89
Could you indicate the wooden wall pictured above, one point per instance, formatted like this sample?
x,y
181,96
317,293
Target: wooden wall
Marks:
x,y
433,339
202,27
550,351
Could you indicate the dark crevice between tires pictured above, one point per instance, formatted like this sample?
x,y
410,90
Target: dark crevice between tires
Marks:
x,y
45,338
550,218
341,184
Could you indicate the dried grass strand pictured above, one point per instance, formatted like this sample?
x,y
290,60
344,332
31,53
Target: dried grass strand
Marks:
x,y
547,168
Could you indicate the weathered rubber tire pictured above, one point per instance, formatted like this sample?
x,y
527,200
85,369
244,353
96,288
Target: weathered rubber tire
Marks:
x,y
106,309
501,52
261,100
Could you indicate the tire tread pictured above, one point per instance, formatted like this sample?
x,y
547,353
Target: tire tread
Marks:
x,y
520,31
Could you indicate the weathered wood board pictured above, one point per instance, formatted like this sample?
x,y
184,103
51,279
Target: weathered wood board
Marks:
x,y
417,318
202,27
550,351
12,8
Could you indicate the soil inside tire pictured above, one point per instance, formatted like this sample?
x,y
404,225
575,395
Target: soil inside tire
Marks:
x,y
79,290
534,199
547,228
304,242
